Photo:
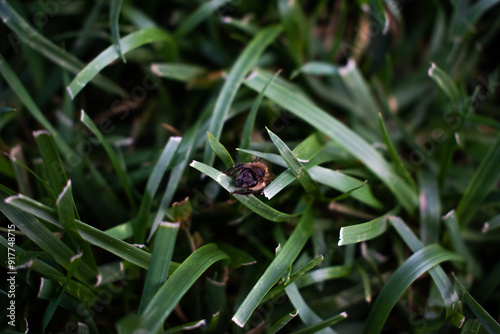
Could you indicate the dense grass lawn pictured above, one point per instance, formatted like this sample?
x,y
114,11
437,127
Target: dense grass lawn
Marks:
x,y
246,166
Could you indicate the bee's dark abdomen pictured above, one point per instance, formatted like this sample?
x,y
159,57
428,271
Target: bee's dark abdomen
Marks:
x,y
246,179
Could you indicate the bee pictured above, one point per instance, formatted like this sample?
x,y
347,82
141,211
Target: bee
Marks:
x,y
251,178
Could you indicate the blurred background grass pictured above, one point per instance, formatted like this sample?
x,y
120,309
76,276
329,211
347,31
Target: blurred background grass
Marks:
x,y
389,108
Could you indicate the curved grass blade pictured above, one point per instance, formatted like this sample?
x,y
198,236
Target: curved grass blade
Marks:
x,y
396,159
407,273
184,152
362,232
293,163
177,71
277,268
23,95
302,107
241,67
114,18
48,289
56,300
141,222
282,322
177,285
250,201
491,224
198,16
24,33
324,324
51,158
90,234
76,289
347,184
483,180
445,83
298,274
364,107
160,261
220,150
117,163
486,320
437,273
187,327
66,208
106,57
246,137
44,238
306,314
316,68
296,27
324,274
451,223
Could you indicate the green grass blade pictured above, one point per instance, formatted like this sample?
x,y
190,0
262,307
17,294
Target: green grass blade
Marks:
x,y
486,320
491,224
90,234
32,38
396,159
65,206
246,137
74,288
483,180
141,223
282,322
199,15
117,163
298,274
178,71
451,223
293,163
177,285
306,314
106,57
160,261
362,232
345,183
137,17
430,208
245,62
114,18
185,150
466,16
187,327
48,289
407,273
316,68
276,269
324,324
52,159
365,106
300,106
44,238
23,95
237,256
220,150
55,300
472,326
437,273
444,82
324,274
250,201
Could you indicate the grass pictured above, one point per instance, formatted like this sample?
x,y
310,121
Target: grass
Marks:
x,y
378,120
